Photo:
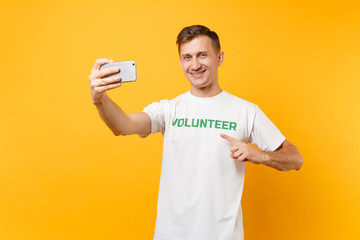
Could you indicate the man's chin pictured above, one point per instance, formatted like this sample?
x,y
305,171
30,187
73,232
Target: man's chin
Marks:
x,y
198,84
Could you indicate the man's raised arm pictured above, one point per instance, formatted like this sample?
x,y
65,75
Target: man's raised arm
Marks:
x,y
119,122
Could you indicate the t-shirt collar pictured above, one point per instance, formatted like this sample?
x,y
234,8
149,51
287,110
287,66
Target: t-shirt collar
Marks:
x,y
205,99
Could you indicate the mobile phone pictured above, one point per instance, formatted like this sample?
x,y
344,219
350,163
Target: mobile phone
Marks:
x,y
127,70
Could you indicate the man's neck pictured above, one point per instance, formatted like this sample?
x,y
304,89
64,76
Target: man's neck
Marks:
x,y
205,91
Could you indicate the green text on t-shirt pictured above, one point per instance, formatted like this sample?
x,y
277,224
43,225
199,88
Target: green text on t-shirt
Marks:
x,y
204,123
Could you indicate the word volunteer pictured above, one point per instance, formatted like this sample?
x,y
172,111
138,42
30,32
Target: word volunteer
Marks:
x,y
204,123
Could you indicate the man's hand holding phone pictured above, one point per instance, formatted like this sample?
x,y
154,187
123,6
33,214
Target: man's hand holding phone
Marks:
x,y
99,84
106,75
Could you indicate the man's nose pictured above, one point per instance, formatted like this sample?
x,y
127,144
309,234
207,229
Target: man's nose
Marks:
x,y
195,64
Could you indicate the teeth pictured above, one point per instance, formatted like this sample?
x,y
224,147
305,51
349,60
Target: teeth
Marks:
x,y
198,74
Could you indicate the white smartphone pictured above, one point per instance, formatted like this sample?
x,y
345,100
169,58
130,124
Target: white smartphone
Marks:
x,y
127,70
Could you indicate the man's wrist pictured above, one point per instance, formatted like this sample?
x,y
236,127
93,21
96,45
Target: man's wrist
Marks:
x,y
100,101
266,157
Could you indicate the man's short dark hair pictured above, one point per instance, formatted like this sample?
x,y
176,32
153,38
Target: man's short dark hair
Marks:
x,y
191,32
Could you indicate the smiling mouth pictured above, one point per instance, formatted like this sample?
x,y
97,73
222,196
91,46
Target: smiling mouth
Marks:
x,y
198,74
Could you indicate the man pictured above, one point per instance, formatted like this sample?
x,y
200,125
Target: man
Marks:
x,y
206,131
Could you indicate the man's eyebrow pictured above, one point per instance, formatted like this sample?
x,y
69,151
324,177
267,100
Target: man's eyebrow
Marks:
x,y
201,52
185,54
198,53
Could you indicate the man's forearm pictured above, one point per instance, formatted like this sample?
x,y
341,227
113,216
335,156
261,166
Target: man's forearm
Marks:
x,y
285,159
113,116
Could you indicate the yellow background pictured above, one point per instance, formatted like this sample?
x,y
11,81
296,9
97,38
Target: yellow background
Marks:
x,y
64,175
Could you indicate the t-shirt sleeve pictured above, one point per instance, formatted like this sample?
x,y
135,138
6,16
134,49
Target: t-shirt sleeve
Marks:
x,y
264,134
156,111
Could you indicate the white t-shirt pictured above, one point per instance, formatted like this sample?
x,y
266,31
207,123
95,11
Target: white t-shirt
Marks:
x,y
201,185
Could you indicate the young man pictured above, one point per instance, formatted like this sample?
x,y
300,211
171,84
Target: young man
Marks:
x,y
206,131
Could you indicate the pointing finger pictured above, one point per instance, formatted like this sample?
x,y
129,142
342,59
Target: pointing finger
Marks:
x,y
230,139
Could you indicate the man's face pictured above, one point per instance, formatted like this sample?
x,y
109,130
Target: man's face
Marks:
x,y
200,61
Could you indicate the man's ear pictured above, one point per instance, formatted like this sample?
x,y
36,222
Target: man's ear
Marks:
x,y
221,57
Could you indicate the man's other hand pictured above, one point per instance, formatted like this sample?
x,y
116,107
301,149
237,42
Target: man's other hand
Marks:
x,y
243,152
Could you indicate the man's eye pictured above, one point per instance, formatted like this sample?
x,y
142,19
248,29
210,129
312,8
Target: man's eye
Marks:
x,y
187,57
203,55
